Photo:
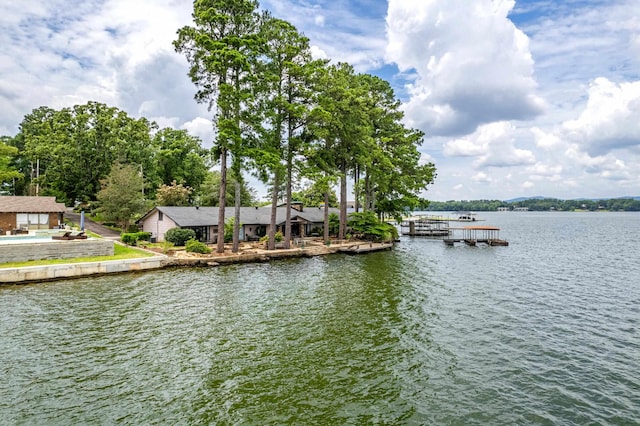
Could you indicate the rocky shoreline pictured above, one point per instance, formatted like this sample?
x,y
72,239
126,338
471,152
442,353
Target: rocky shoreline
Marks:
x,y
180,258
253,254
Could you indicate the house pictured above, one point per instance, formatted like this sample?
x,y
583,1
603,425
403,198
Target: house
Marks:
x,y
29,213
254,221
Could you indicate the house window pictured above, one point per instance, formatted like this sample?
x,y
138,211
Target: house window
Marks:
x,y
160,216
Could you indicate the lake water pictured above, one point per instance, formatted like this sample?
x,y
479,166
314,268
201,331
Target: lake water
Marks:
x,y
545,331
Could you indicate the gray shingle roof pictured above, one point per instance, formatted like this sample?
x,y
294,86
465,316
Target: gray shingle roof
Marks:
x,y
208,216
14,204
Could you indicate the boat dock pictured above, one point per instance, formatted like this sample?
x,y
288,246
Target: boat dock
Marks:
x,y
425,226
473,235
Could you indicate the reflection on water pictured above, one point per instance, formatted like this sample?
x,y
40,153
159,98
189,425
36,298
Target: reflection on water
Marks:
x,y
543,331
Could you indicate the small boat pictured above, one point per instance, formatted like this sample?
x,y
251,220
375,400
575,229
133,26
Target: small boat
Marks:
x,y
465,216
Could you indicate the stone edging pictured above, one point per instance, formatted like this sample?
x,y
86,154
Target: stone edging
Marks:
x,y
70,270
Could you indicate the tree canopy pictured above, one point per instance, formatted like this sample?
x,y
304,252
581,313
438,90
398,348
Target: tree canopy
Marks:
x,y
277,113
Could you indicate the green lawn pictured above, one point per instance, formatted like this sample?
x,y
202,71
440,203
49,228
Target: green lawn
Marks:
x,y
120,253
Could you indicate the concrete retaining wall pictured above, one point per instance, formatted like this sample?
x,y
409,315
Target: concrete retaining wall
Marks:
x,y
53,272
62,249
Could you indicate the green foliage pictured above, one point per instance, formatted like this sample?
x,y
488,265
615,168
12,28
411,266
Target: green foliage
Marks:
x,y
7,171
194,246
173,195
76,147
366,226
208,194
120,197
132,238
313,195
334,224
179,236
278,237
228,230
129,239
143,236
179,157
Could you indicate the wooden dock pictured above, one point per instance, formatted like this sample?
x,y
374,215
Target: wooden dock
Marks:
x,y
362,247
474,235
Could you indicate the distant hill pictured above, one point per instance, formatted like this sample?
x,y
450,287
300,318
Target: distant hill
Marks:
x,y
519,199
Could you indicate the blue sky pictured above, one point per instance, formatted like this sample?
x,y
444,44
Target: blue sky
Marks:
x,y
517,98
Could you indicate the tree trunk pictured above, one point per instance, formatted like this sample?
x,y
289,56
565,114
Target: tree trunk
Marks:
x,y
367,192
287,226
343,203
271,244
326,217
236,222
222,200
356,181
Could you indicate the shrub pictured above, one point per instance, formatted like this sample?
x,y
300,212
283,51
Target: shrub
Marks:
x,y
365,225
278,237
179,236
334,224
228,229
129,239
194,246
144,236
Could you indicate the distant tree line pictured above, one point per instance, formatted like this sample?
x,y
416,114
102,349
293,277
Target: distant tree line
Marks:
x,y
537,204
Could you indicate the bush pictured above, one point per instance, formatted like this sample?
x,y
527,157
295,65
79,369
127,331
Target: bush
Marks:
x,y
144,236
131,238
278,237
366,226
194,246
179,236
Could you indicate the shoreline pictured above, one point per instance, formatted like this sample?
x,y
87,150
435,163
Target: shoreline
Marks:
x,y
47,273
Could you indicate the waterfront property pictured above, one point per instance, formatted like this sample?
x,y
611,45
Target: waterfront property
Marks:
x,y
18,215
472,235
254,221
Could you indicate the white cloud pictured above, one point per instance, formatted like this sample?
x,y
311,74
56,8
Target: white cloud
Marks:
x,y
201,127
463,148
481,177
545,140
541,169
473,65
610,120
493,145
64,53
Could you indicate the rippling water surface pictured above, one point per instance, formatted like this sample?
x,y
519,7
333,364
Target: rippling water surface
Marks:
x,y
545,331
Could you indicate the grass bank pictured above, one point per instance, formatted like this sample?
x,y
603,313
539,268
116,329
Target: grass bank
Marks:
x,y
120,253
